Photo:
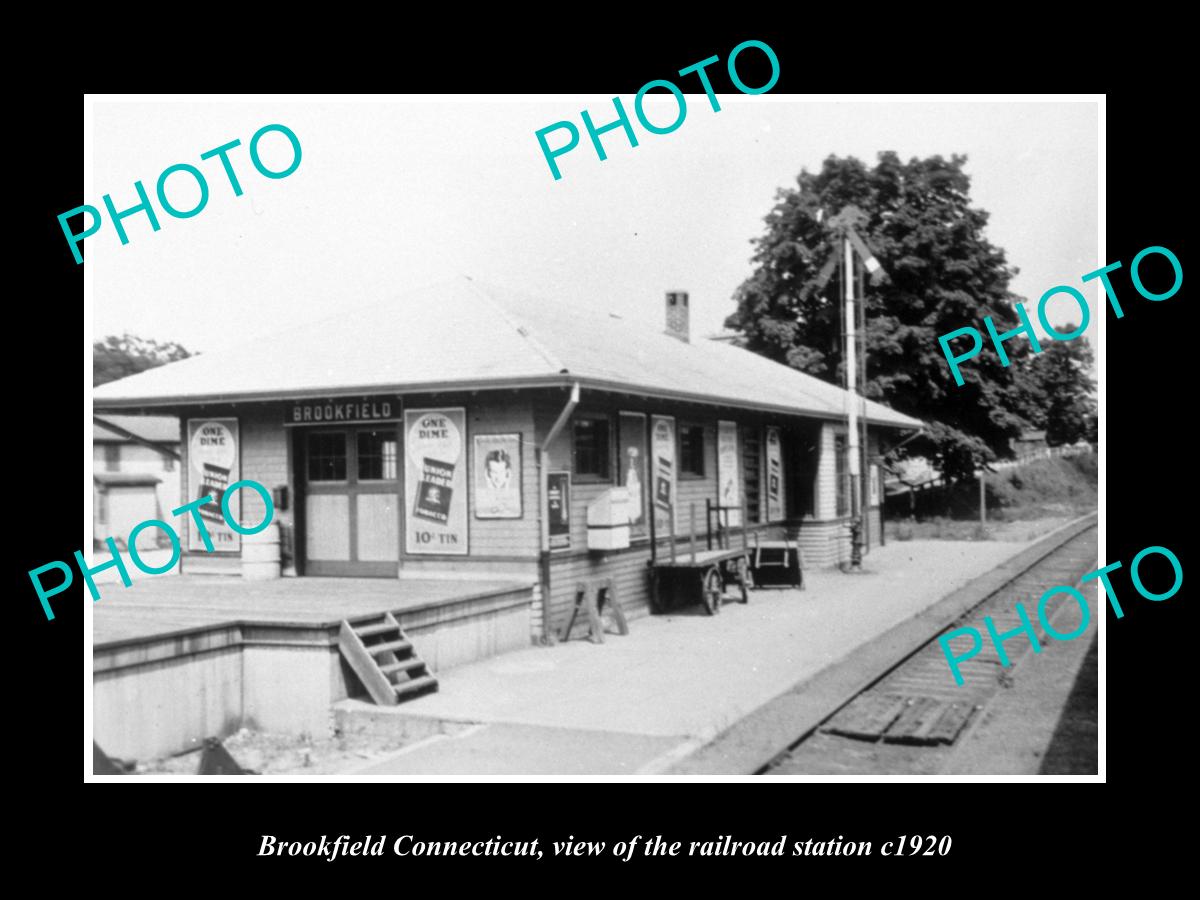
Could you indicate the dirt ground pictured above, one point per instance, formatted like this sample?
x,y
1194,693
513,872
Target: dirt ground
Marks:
x,y
276,754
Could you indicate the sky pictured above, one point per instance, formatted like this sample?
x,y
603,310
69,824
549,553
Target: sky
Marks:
x,y
396,194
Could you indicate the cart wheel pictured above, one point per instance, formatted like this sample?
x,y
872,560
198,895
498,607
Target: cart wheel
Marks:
x,y
745,580
711,588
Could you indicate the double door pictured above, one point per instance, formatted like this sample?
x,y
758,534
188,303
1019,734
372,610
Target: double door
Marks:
x,y
351,502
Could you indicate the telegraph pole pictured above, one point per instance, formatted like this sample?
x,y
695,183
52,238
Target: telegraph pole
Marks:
x,y
865,481
852,408
856,419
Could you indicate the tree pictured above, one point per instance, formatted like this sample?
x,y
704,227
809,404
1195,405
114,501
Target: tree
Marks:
x,y
118,357
942,274
1054,390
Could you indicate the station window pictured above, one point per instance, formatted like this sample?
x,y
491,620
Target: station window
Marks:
x,y
841,455
168,463
591,448
112,457
376,456
327,456
691,450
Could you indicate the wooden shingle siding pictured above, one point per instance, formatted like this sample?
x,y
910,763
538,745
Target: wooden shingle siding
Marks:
x,y
628,569
504,413
824,544
825,539
874,527
264,448
826,505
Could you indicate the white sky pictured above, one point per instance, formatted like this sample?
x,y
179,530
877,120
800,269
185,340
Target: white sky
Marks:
x,y
398,194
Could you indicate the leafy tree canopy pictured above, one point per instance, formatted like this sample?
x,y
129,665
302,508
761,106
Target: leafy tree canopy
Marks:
x,y
941,274
118,357
1054,390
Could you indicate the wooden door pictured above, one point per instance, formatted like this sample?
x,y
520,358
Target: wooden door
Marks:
x,y
352,500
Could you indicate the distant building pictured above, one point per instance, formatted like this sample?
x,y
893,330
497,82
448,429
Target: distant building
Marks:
x,y
1030,443
135,474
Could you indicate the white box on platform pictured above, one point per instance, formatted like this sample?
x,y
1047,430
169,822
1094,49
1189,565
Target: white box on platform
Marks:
x,y
608,520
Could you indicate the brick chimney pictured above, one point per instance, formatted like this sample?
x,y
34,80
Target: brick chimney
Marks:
x,y
677,315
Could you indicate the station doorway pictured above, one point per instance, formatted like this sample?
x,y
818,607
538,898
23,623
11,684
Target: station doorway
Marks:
x,y
349,477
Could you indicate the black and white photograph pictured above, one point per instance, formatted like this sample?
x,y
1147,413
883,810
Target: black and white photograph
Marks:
x,y
765,446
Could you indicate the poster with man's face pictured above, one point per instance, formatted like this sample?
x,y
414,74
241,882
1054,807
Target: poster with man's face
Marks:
x,y
497,464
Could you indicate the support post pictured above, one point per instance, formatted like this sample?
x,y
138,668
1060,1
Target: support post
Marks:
x,y
542,460
982,499
692,530
852,436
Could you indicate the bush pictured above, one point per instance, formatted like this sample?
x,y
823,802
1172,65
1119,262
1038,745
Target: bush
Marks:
x,y
1041,487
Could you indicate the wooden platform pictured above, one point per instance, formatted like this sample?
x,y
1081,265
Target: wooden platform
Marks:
x,y
179,659
179,604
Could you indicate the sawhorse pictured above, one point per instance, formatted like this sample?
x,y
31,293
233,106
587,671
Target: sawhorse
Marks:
x,y
605,594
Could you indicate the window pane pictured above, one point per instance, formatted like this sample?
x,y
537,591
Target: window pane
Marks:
x,y
591,447
376,455
691,450
327,457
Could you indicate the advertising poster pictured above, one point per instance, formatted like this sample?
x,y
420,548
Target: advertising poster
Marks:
x,y
633,470
774,476
558,509
873,482
729,478
213,465
497,476
662,446
435,482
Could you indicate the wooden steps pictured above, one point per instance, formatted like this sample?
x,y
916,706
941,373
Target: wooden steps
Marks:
x,y
384,660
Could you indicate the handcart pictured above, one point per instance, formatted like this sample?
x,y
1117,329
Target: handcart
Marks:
x,y
702,574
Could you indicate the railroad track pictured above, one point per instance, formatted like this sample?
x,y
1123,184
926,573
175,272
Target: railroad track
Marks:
x,y
893,706
910,720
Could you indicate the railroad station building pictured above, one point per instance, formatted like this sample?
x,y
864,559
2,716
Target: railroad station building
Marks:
x,y
464,429
447,467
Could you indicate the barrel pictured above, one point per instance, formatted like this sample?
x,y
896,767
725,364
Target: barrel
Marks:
x,y
260,554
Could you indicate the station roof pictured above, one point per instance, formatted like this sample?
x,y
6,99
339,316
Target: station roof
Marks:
x,y
156,429
463,334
